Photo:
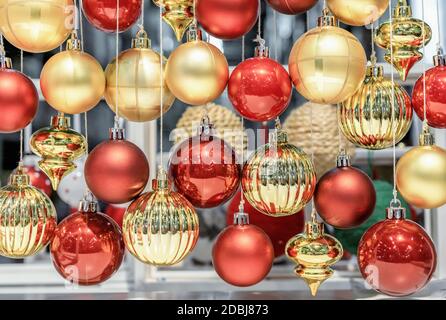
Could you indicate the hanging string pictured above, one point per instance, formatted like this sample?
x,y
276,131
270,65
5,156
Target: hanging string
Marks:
x,y
313,210
81,25
372,37
425,124
194,22
21,131
392,78
162,79
275,33
117,67
142,14
438,26
259,24
241,206
2,53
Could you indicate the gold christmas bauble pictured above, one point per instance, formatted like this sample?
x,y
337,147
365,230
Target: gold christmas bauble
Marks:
x,y
72,81
36,25
27,217
278,179
197,71
366,118
160,227
139,84
314,128
358,12
421,174
327,64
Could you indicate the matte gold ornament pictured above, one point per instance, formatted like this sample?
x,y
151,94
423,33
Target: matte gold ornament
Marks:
x,y
36,25
197,71
407,38
421,174
72,81
358,12
366,118
27,217
139,82
314,252
278,178
58,146
178,14
327,64
160,227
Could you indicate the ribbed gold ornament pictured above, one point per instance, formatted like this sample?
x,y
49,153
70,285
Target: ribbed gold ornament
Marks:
x,y
72,81
278,178
407,38
36,25
178,14
327,64
58,146
160,227
314,252
27,217
366,118
139,82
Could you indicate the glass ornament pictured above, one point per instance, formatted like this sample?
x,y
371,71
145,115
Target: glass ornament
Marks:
x,y
178,14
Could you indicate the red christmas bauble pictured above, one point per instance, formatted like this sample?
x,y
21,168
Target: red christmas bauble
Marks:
x,y
292,6
116,171
435,97
242,255
260,89
278,229
102,13
204,169
87,248
18,100
345,197
227,19
396,257
116,213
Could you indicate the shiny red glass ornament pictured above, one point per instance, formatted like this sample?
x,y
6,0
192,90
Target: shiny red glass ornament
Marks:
x,y
278,229
396,256
102,13
38,179
116,213
345,196
19,100
87,247
116,171
260,88
242,254
227,19
292,6
204,169
435,95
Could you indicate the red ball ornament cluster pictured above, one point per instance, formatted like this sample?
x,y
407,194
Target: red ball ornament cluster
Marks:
x,y
260,88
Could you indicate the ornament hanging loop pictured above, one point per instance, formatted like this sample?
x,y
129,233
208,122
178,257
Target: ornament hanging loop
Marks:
x,y
194,33
241,218
261,50
327,19
88,203
73,43
439,58
141,40
343,159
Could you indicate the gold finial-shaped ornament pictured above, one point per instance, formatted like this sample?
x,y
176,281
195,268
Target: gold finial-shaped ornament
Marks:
x,y
58,146
408,35
178,14
314,252
27,217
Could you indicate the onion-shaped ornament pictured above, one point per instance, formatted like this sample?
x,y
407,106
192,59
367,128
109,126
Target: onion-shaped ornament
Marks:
x,y
279,178
27,217
366,118
407,38
160,227
138,82
178,14
314,252
58,146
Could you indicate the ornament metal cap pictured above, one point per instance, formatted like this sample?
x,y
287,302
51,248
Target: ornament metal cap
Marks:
x,y
116,133
161,182
439,58
402,10
60,121
327,19
241,218
396,213
73,43
278,135
5,62
374,71
141,40
205,127
426,138
261,50
343,159
88,203
194,33
314,229
19,178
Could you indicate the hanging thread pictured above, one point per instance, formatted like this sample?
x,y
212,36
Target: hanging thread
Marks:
x,y
242,198
117,67
259,24
162,79
275,33
425,124
438,26
142,14
81,25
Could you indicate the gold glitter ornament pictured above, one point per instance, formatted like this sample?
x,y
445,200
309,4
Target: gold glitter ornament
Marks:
x,y
160,227
421,174
27,217
327,64
366,118
279,178
178,14
314,252
58,146
138,82
36,25
407,38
